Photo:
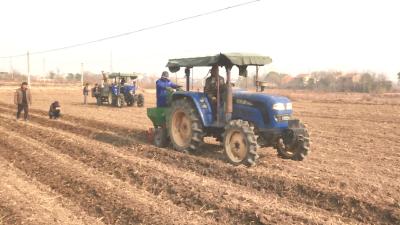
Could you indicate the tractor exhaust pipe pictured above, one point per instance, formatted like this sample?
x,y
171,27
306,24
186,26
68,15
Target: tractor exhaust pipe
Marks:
x,y
187,73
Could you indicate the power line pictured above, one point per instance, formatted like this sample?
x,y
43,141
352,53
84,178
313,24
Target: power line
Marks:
x,y
136,31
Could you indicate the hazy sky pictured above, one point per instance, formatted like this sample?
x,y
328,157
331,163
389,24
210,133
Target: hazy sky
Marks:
x,y
300,36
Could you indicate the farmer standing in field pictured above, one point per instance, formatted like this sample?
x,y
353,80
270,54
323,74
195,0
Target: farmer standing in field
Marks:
x,y
23,99
162,85
85,93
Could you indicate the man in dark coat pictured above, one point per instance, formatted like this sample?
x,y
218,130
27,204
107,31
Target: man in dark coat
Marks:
x,y
211,86
213,83
85,92
23,99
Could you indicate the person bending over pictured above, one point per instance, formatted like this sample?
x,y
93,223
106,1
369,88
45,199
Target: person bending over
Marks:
x,y
55,110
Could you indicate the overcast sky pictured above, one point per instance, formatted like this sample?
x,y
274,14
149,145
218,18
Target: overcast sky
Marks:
x,y
300,36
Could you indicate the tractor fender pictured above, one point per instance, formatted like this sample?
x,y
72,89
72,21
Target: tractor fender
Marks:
x,y
198,99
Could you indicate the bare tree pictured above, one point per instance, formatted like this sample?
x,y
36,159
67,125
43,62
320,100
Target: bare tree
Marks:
x,y
52,75
70,76
366,82
398,78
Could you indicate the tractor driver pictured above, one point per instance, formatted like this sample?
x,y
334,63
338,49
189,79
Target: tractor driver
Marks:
x,y
122,81
211,88
162,85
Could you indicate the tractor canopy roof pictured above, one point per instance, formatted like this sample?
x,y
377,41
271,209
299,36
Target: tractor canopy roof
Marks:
x,y
123,75
222,59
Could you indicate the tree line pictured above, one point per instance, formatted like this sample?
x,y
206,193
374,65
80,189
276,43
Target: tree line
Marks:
x,y
333,81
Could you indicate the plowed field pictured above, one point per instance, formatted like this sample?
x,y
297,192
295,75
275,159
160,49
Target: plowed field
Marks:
x,y
94,166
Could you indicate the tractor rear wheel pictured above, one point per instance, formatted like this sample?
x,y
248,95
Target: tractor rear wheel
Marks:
x,y
98,100
110,99
120,101
184,126
140,100
240,143
298,149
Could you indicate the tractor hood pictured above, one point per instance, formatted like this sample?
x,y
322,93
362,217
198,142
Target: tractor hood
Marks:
x,y
260,97
265,99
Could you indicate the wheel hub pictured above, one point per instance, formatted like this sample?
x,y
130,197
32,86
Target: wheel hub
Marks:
x,y
238,146
181,128
285,148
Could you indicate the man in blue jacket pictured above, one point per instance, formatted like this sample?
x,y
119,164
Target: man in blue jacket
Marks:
x,y
162,85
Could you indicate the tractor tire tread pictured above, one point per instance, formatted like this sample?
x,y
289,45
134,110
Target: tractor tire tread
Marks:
x,y
197,131
251,138
302,148
140,100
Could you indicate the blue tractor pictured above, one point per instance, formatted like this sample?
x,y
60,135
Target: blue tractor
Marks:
x,y
122,91
242,121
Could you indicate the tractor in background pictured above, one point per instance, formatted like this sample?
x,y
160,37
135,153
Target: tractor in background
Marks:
x,y
242,121
120,92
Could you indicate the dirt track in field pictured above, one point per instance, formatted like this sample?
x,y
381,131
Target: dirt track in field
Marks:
x,y
94,166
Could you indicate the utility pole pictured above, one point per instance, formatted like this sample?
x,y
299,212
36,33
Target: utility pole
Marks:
x,y
44,68
192,77
111,62
29,72
11,69
82,74
257,84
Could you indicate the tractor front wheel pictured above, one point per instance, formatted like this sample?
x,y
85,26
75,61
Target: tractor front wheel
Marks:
x,y
295,148
129,101
240,143
140,100
185,127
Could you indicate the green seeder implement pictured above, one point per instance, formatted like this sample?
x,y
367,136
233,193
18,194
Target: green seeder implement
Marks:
x,y
158,116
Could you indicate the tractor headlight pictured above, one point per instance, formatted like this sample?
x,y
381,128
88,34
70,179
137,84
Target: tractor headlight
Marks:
x,y
289,106
278,106
282,118
203,105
